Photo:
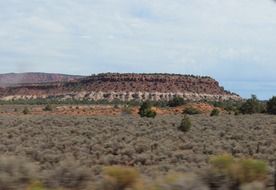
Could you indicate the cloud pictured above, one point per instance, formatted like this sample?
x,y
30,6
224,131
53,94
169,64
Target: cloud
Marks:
x,y
229,40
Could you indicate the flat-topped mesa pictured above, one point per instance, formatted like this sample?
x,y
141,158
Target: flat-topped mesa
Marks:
x,y
164,83
126,87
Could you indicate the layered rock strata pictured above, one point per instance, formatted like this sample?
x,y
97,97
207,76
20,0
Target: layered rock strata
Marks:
x,y
125,87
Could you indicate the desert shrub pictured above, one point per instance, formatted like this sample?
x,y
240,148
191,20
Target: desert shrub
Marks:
x,y
191,111
239,172
146,110
36,185
252,105
222,163
48,107
15,173
68,174
120,178
127,110
215,112
271,105
253,186
160,103
185,124
176,101
179,181
228,105
26,111
237,112
116,106
249,170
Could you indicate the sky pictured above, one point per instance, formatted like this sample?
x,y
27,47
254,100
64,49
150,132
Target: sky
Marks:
x,y
233,41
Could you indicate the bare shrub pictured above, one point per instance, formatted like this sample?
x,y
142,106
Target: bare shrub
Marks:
x,y
253,186
178,181
15,173
69,174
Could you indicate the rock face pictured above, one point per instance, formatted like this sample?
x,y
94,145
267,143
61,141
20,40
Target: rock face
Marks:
x,y
125,87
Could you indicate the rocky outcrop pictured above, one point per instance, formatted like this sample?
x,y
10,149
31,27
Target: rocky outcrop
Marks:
x,y
125,87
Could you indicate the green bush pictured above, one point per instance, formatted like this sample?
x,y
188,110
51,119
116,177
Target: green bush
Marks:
x,y
228,105
239,171
191,111
215,112
271,105
26,111
251,106
237,112
120,178
146,110
185,124
176,101
48,107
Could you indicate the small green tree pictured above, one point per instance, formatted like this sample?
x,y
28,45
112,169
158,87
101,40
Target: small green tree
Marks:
x,y
271,105
26,111
252,105
48,107
215,112
176,101
146,110
185,124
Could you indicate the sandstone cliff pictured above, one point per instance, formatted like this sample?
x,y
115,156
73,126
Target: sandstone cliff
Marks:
x,y
125,87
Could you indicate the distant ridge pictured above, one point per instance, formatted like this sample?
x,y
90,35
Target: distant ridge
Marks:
x,y
113,86
18,79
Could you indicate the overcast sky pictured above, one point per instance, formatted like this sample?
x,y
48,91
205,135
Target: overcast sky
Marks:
x,y
233,41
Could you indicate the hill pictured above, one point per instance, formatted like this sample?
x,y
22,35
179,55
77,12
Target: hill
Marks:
x,y
125,87
19,79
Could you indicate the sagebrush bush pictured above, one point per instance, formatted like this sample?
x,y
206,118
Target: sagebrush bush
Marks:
x,y
191,111
146,110
253,186
176,101
68,174
179,181
271,105
36,185
120,178
16,173
239,171
185,124
215,112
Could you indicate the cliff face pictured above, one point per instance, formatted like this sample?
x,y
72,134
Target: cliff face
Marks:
x,y
152,83
125,87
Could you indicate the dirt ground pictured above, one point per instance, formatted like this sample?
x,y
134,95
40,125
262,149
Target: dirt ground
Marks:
x,y
95,110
